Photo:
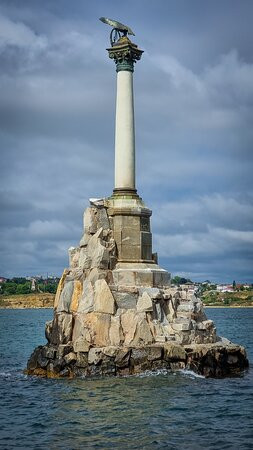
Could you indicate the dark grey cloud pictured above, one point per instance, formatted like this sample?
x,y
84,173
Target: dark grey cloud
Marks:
x,y
194,110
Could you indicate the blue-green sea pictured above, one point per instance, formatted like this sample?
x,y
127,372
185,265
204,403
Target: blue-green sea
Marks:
x,y
170,411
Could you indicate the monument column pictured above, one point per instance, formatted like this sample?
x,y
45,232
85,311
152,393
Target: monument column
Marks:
x,y
129,216
125,53
124,132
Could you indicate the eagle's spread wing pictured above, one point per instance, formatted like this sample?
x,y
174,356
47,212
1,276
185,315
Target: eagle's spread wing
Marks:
x,y
119,26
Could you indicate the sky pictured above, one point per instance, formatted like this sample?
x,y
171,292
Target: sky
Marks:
x,y
194,130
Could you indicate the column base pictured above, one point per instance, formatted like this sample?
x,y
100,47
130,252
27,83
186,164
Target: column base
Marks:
x,y
127,193
141,274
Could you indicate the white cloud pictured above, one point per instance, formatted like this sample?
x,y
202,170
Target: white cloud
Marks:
x,y
19,35
233,237
180,76
215,98
208,210
212,233
185,245
215,242
193,127
47,229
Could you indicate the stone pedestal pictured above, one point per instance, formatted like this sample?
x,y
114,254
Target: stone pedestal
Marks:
x,y
140,275
131,228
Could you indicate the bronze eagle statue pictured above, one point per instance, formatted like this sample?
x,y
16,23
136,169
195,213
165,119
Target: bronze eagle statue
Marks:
x,y
117,26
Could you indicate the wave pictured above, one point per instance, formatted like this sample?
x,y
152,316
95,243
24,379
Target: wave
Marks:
x,y
153,373
6,374
13,375
190,373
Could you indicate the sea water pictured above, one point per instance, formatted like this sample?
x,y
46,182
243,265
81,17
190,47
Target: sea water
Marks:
x,y
155,410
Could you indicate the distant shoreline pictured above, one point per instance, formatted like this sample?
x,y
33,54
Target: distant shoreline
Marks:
x,y
46,301
51,307
227,306
27,301
28,307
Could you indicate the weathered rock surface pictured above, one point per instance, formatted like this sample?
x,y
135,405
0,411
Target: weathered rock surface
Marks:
x,y
103,301
145,303
209,360
117,319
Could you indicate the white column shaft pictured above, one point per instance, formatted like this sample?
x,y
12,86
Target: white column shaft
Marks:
x,y
124,132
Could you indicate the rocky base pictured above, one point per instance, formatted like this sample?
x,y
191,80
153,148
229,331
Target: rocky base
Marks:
x,y
102,302
114,317
210,360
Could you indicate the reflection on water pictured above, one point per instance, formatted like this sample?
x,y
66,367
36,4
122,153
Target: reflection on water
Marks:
x,y
165,411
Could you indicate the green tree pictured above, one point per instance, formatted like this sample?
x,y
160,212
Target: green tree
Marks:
x,y
23,288
40,287
51,288
176,280
9,288
19,280
180,280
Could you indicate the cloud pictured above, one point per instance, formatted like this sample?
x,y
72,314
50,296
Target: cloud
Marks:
x,y
199,213
19,35
204,233
193,105
219,97
215,242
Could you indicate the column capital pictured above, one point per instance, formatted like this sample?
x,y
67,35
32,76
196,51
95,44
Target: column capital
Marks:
x,y
125,53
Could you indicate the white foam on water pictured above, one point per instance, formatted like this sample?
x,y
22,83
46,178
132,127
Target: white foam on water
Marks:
x,y
153,373
5,374
190,373
147,373
13,374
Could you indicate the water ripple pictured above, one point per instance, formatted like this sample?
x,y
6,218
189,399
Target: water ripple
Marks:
x,y
152,411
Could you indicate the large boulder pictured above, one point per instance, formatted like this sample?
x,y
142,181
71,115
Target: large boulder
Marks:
x,y
86,301
103,300
61,328
102,218
90,220
125,300
145,303
98,325
84,258
143,335
60,287
97,253
77,293
65,297
216,360
129,320
116,336
74,257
